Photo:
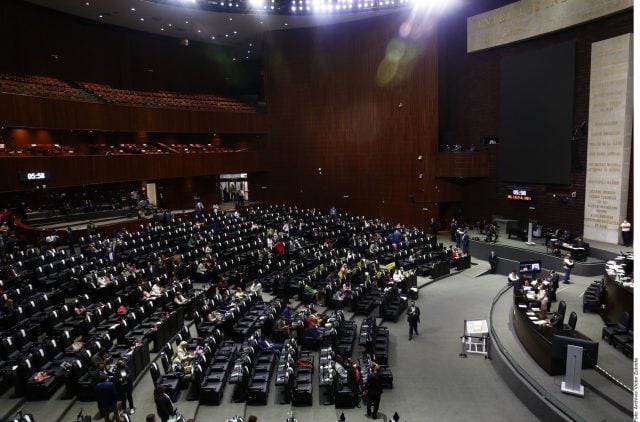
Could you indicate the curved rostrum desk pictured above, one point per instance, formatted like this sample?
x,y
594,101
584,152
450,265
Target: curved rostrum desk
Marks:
x,y
548,345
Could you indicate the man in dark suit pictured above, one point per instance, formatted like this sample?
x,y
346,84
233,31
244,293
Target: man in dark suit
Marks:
x,y
554,281
493,261
107,397
413,317
373,387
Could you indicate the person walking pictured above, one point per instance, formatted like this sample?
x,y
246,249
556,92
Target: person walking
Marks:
x,y
567,265
107,398
413,317
625,230
373,388
493,262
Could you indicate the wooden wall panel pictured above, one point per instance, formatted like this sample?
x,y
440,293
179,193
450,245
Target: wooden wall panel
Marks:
x,y
84,170
462,164
337,136
24,111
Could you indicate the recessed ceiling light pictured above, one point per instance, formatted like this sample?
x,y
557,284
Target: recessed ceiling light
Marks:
x,y
162,29
86,4
199,31
235,32
234,59
100,16
142,19
247,57
260,22
250,45
170,25
213,37
286,24
226,35
230,19
186,21
133,9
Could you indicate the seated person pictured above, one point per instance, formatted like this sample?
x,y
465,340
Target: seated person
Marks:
x,y
180,299
311,292
182,359
282,327
555,321
100,358
255,287
223,288
512,277
267,346
287,313
157,289
239,294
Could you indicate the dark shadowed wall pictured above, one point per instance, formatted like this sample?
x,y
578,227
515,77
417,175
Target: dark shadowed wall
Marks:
x,y
338,136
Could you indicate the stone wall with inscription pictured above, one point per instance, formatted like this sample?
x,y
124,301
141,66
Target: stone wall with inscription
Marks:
x,y
530,18
609,139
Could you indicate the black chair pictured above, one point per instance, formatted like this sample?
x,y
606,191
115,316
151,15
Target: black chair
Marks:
x,y
622,339
623,325
171,383
573,319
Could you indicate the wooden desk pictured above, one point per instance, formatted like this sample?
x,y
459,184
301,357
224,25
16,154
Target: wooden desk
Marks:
x,y
540,341
617,299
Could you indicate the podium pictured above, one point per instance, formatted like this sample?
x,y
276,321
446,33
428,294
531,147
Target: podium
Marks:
x,y
477,337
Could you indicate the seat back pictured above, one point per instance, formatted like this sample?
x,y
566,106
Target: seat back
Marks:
x,y
625,321
168,350
155,373
166,365
562,308
573,319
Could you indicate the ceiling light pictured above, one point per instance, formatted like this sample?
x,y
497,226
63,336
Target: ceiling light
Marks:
x,y
286,24
100,16
133,9
86,4
230,19
235,32
162,29
199,31
213,37
142,19
186,21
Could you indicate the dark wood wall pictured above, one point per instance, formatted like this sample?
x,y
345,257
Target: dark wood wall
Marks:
x,y
338,136
33,112
86,170
470,110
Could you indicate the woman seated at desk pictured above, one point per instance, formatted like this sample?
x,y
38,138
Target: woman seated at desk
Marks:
x,y
180,299
182,359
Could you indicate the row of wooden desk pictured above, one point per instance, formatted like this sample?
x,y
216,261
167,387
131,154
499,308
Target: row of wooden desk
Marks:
x,y
547,345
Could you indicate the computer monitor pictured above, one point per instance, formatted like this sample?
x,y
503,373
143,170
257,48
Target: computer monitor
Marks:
x,y
529,267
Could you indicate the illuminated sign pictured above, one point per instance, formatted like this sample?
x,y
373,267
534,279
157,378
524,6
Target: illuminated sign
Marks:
x,y
519,195
33,176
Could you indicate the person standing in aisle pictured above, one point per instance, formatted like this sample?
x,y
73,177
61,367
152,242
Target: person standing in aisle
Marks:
x,y
567,265
625,230
413,317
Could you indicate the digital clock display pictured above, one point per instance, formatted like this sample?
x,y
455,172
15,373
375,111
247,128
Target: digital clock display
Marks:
x,y
33,176
519,195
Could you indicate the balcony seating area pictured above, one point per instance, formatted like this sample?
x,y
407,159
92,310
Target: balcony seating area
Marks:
x,y
42,86
137,149
201,148
49,87
38,150
165,99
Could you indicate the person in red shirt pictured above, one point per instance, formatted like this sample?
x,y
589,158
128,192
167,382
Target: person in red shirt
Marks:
x,y
279,247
